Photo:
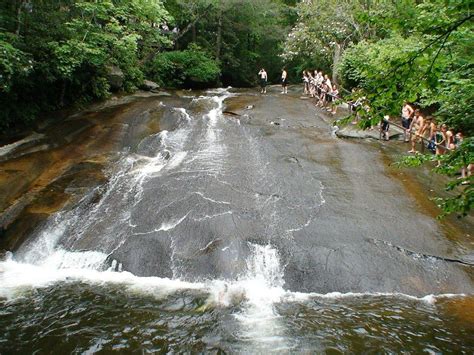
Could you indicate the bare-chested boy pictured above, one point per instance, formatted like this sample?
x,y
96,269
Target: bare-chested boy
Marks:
x,y
407,113
418,126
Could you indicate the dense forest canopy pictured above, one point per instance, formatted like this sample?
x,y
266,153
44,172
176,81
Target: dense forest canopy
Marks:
x,y
54,53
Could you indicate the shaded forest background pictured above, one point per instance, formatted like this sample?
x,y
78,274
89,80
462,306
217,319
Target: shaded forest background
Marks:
x,y
55,53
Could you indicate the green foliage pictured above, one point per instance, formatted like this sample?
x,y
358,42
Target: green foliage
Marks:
x,y
242,35
323,31
13,64
389,72
396,51
57,52
430,65
191,67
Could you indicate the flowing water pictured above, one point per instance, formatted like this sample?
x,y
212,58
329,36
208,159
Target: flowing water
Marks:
x,y
194,245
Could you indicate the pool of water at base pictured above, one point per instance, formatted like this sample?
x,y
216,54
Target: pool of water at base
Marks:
x,y
79,317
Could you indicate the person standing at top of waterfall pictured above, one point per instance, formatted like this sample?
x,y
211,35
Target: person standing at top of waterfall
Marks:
x,y
306,83
284,81
407,113
263,81
319,82
384,127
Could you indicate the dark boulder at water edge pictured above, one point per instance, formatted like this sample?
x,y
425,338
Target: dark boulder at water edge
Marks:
x,y
115,77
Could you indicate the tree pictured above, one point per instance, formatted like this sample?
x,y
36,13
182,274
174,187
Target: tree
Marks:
x,y
241,35
58,52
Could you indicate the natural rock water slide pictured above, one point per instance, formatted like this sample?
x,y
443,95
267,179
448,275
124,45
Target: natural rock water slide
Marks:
x,y
263,214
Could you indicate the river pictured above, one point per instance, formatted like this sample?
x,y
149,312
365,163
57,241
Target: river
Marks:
x,y
241,224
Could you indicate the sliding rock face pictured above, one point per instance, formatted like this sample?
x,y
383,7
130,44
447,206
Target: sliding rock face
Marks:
x,y
209,198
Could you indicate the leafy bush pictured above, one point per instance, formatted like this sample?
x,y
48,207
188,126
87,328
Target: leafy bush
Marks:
x,y
191,68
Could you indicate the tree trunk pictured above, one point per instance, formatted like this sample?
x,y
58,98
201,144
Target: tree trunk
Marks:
x,y
62,94
335,62
219,35
18,18
194,32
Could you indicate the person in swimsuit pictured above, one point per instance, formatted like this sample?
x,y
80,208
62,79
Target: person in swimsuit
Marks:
x,y
263,81
284,81
440,141
450,139
431,130
306,83
384,127
334,97
322,96
407,113
328,83
319,81
418,126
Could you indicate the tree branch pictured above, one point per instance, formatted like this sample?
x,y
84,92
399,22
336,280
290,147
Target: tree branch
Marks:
x,y
178,36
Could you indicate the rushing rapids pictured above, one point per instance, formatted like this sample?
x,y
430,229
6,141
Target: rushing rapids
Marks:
x,y
236,234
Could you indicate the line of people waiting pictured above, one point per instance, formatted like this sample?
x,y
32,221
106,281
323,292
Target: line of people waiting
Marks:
x,y
439,137
417,129
318,86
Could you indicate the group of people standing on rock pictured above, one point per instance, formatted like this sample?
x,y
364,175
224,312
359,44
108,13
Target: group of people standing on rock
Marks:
x,y
263,77
439,137
318,85
436,136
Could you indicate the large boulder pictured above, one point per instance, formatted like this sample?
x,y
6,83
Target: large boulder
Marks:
x,y
115,77
149,85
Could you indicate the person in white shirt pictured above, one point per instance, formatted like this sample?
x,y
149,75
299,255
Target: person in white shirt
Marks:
x,y
284,81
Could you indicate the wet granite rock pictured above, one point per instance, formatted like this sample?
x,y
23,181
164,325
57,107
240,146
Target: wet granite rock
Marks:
x,y
115,77
149,85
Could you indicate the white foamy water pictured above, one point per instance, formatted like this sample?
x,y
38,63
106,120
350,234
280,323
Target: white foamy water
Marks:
x,y
16,278
260,289
263,287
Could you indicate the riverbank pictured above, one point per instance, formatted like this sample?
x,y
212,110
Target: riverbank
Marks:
x,y
420,183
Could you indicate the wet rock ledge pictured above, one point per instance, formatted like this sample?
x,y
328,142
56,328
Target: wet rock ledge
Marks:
x,y
56,166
